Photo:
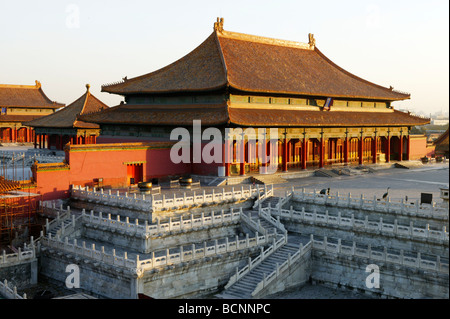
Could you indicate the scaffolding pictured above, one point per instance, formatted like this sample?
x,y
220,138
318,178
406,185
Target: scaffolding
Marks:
x,y
19,210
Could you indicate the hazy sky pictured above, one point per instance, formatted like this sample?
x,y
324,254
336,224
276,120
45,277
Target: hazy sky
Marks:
x,y
66,44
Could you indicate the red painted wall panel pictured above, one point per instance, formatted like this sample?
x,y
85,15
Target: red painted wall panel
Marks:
x,y
86,166
418,147
52,184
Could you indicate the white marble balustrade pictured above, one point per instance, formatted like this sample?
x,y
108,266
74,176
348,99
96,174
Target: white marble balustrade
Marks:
x,y
178,224
412,206
382,256
388,228
138,266
10,293
147,202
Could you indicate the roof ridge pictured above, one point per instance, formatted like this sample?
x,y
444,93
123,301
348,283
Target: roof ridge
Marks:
x,y
355,76
87,94
67,112
218,28
413,115
222,58
80,117
227,49
264,40
160,70
441,137
37,85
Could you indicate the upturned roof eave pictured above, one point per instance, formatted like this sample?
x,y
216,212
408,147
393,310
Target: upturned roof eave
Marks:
x,y
322,94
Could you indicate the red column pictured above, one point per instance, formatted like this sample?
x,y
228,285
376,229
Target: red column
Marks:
x,y
321,152
408,149
346,142
360,150
400,148
40,140
388,149
290,154
242,158
374,150
285,154
304,152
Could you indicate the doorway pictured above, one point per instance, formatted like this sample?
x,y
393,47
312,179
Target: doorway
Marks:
x,y
135,173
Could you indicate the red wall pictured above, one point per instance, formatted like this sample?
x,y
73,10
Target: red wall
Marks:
x,y
106,139
109,162
419,147
52,184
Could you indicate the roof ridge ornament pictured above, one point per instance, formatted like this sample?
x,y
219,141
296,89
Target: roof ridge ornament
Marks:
x,y
218,26
311,41
38,84
87,87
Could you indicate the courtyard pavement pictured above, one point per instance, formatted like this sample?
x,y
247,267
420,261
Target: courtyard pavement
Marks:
x,y
402,182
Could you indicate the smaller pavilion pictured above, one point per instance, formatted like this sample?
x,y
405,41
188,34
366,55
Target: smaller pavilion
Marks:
x,y
62,127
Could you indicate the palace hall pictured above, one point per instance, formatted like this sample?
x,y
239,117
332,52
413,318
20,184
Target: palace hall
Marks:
x,y
19,104
324,115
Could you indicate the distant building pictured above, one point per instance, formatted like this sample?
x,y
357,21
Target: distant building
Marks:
x,y
19,104
62,127
440,120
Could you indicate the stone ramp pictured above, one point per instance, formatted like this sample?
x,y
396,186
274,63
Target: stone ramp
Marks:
x,y
218,181
349,171
325,173
244,287
409,164
269,179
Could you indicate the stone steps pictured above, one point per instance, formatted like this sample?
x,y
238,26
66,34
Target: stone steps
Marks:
x,y
55,229
244,287
264,223
273,200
